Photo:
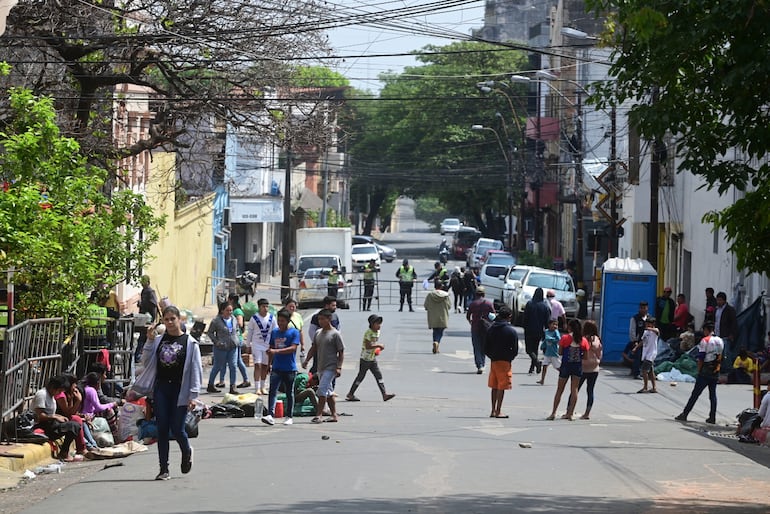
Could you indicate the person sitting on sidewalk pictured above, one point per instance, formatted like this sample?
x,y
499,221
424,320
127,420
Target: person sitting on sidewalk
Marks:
x,y
55,425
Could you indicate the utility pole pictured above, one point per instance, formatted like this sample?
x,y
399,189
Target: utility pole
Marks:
x,y
287,226
578,194
652,231
613,242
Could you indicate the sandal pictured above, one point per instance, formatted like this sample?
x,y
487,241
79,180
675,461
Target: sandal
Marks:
x,y
317,419
550,418
350,398
641,391
75,458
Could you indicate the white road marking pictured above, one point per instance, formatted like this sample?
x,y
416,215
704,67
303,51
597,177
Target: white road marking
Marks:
x,y
460,354
624,417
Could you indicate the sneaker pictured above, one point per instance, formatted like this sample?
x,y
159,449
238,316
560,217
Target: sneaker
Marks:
x,y
711,421
387,397
288,421
163,475
220,385
480,371
187,461
435,347
268,420
681,417
244,384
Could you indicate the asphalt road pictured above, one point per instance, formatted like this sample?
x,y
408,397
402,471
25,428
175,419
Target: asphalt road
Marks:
x,y
433,448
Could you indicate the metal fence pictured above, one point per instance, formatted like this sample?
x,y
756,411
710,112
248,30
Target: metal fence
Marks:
x,y
37,349
31,354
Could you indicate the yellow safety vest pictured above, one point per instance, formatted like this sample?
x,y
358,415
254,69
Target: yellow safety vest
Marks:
x,y
406,274
369,272
95,324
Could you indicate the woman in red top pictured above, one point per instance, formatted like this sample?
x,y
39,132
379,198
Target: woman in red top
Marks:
x,y
681,313
572,348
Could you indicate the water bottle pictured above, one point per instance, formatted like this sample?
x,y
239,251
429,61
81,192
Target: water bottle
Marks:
x,y
258,406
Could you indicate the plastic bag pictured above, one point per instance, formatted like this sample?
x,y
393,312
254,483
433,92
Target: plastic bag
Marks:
x,y
129,414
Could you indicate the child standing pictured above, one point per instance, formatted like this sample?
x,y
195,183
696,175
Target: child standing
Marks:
x,y
649,344
370,348
550,347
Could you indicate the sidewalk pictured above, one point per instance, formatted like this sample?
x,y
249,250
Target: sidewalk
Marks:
x,y
16,458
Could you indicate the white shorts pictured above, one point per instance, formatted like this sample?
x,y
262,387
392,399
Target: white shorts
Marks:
x,y
552,361
260,356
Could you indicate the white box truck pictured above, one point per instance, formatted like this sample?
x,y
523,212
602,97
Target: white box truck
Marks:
x,y
323,247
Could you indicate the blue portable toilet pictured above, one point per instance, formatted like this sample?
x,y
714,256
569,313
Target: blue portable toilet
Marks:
x,y
625,283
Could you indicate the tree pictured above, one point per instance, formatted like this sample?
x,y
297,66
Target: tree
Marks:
x,y
714,98
197,60
417,138
58,231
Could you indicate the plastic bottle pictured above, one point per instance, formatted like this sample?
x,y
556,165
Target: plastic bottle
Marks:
x,y
258,406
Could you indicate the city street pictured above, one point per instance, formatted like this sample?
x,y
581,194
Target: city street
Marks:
x,y
433,448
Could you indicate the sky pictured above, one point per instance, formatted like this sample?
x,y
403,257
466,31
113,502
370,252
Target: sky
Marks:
x,y
409,31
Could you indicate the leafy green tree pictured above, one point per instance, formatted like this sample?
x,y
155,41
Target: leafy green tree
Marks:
x,y
416,139
59,232
700,71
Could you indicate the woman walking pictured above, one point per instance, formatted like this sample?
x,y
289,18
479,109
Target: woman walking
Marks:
x,y
172,363
590,364
573,347
437,305
223,332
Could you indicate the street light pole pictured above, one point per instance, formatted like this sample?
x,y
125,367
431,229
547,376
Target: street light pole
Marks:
x,y
509,168
487,87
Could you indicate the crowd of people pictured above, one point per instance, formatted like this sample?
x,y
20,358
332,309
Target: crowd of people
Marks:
x,y
172,370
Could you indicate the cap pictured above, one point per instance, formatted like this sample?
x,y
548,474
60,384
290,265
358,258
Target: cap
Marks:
x,y
551,293
481,290
374,318
667,289
263,301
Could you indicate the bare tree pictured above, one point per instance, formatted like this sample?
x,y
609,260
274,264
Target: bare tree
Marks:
x,y
197,59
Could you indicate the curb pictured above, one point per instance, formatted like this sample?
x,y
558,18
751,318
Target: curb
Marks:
x,y
13,467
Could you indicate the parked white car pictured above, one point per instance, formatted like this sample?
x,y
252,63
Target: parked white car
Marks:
x,y
498,280
560,282
314,286
450,226
479,248
364,253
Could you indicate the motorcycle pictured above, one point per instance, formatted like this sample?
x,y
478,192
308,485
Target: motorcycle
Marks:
x,y
443,254
247,284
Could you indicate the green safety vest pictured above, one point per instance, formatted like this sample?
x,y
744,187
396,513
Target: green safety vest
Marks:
x,y
95,324
406,274
369,273
334,278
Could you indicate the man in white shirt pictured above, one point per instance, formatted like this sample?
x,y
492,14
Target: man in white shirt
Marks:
x,y
710,352
261,326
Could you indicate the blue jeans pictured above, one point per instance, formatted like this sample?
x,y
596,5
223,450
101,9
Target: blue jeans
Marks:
x,y
702,383
287,379
223,359
169,416
477,339
239,363
438,333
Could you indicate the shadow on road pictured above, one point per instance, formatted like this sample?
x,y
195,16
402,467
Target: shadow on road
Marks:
x,y
507,503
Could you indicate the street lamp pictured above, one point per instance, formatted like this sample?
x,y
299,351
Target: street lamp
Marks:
x,y
546,78
509,166
488,87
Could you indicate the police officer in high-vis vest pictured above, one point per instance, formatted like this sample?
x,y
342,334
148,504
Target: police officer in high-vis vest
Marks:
x,y
95,323
369,279
333,282
406,277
